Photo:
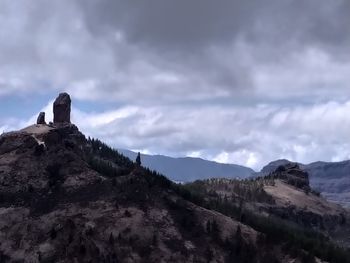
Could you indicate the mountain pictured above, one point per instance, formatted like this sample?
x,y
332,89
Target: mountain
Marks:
x,y
332,179
189,169
284,197
64,198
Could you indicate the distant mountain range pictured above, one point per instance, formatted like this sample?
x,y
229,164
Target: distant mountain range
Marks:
x,y
188,169
331,179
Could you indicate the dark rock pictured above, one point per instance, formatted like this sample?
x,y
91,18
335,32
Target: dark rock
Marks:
x,y
41,118
16,142
62,108
39,149
292,174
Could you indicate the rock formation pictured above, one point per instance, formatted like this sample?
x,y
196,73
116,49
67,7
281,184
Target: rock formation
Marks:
x,y
292,174
62,108
41,118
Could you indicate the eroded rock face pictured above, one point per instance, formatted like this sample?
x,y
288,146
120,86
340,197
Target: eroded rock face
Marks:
x,y
292,174
62,108
41,118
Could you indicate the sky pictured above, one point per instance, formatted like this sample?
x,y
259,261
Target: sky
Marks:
x,y
244,82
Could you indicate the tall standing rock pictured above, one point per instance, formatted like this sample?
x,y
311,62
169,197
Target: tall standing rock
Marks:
x,y
62,108
41,118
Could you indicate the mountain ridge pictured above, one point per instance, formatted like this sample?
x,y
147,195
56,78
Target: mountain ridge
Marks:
x,y
329,178
184,169
332,179
283,195
71,191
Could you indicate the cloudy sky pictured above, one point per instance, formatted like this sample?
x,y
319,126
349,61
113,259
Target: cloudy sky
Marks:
x,y
234,81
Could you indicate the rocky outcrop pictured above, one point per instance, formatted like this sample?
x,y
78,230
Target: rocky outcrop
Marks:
x,y
292,174
62,108
41,118
26,154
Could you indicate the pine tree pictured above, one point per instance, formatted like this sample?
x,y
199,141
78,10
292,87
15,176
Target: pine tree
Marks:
x,y
239,240
208,227
53,233
111,239
138,159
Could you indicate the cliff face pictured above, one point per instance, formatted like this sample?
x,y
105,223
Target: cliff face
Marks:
x,y
292,174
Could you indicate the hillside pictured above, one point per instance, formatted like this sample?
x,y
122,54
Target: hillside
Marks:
x,y
332,179
189,169
283,197
61,203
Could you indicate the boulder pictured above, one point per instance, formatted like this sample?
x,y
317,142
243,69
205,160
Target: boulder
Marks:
x,y
62,108
41,118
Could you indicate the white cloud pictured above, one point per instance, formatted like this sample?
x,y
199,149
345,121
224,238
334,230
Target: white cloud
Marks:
x,y
250,136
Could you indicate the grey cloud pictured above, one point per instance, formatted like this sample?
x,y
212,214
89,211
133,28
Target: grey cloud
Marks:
x,y
186,37
167,23
165,50
192,25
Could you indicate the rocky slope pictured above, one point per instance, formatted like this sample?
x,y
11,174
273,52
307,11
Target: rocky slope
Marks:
x,y
284,195
295,201
332,179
